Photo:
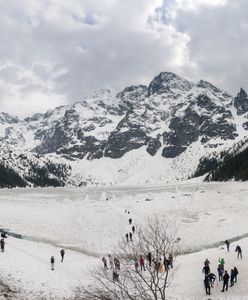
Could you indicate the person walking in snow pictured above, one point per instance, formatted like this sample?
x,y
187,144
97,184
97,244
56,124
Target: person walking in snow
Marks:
x,y
127,237
105,265
232,278
206,262
227,244
62,253
212,278
170,259
142,263
133,229
52,262
207,285
136,265
225,281
130,236
239,251
149,258
222,262
206,270
220,271
115,276
111,262
235,274
2,242
117,264
130,221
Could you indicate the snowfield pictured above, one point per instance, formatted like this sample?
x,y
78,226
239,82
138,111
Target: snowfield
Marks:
x,y
89,222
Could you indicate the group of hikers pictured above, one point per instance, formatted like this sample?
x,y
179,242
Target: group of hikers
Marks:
x,y
129,236
142,262
52,259
223,275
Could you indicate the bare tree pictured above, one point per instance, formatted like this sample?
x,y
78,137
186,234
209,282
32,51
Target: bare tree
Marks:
x,y
156,242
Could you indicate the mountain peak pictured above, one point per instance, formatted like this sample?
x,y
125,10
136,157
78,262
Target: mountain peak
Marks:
x,y
166,81
241,102
207,85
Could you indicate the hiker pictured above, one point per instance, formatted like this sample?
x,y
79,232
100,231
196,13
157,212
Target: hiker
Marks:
x,y
235,274
225,281
232,278
133,229
111,262
222,262
206,262
62,253
227,244
166,263
52,262
170,259
207,285
127,237
115,275
161,268
117,263
130,236
136,265
149,258
2,242
220,271
105,265
130,221
239,250
212,278
206,270
142,263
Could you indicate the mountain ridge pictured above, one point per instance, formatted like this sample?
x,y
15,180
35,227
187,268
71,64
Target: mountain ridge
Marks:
x,y
171,118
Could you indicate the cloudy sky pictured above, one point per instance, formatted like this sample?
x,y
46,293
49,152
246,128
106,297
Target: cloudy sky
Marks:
x,y
54,52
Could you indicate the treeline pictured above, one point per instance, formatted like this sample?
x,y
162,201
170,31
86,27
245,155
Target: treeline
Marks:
x,y
49,174
10,178
234,166
225,166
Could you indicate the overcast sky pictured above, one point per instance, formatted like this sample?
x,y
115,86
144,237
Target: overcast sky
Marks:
x,y
54,52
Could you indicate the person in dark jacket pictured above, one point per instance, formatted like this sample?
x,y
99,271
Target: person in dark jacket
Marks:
x,y
227,244
127,237
225,281
130,236
220,272
2,242
170,259
235,274
207,285
133,229
130,221
62,253
149,258
232,278
239,251
212,278
105,264
52,262
206,262
206,270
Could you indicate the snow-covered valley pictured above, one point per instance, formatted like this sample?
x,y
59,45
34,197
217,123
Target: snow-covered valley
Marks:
x,y
89,222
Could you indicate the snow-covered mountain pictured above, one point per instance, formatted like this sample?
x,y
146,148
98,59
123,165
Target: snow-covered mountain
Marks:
x,y
144,134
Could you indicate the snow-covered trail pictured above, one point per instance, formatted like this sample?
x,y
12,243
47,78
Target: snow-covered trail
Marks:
x,y
83,222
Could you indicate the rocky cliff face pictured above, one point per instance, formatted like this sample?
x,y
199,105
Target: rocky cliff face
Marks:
x,y
166,119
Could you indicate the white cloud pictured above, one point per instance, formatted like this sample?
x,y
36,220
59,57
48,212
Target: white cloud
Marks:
x,y
61,50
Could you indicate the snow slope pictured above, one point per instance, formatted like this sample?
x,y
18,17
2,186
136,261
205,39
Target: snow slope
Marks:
x,y
88,226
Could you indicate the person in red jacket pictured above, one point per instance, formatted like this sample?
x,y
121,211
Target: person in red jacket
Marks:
x,y
142,263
